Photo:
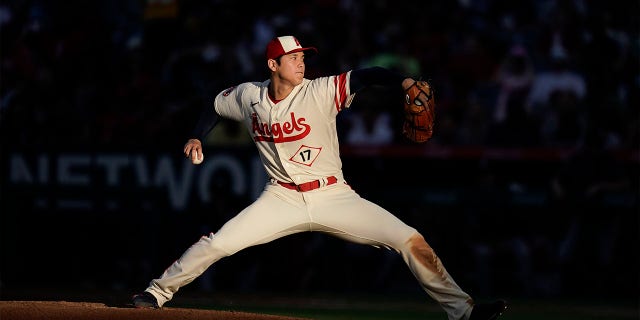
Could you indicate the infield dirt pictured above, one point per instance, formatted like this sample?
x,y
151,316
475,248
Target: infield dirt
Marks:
x,y
64,310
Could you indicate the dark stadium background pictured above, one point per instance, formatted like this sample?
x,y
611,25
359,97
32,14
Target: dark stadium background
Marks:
x,y
98,97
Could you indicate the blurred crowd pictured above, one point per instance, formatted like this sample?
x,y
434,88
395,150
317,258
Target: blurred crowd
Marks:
x,y
137,73
532,73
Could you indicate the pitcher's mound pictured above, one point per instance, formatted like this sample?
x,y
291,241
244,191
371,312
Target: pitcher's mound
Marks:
x,y
63,310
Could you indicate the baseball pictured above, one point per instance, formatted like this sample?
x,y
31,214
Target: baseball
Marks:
x,y
198,160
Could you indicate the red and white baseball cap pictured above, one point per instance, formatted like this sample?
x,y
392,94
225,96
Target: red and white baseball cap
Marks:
x,y
284,45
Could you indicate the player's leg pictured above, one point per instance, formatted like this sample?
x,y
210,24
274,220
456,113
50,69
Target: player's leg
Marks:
x,y
343,213
273,215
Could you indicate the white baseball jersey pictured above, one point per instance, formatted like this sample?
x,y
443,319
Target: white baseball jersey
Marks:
x,y
298,143
296,137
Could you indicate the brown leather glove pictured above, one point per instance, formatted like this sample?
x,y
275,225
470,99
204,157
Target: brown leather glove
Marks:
x,y
419,116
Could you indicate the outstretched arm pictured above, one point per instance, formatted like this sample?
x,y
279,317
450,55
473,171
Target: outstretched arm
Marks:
x,y
362,78
207,121
419,105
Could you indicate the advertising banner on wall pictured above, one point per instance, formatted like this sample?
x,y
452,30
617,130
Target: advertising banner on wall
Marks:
x,y
88,181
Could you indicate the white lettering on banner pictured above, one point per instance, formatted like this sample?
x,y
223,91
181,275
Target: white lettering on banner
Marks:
x,y
141,170
66,174
178,190
179,177
112,164
43,169
19,171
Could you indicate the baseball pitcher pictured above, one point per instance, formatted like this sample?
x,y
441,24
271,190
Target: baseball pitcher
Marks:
x,y
292,121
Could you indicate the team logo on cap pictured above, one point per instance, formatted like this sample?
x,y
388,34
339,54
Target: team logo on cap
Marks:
x,y
284,45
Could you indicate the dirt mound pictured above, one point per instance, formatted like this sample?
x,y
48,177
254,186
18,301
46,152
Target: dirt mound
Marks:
x,y
63,310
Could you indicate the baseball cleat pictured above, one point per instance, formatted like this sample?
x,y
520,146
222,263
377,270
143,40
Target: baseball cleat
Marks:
x,y
488,311
145,300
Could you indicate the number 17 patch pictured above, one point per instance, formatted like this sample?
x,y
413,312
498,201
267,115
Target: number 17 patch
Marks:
x,y
306,155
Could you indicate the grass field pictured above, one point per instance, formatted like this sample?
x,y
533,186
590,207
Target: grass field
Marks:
x,y
399,308
355,307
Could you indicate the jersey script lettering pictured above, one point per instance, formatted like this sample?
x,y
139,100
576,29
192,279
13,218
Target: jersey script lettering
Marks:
x,y
277,132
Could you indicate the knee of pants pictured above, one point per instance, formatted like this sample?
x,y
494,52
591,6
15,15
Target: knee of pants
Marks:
x,y
413,242
418,248
419,254
213,244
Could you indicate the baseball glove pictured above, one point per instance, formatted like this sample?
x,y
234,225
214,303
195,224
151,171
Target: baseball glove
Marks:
x,y
418,117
